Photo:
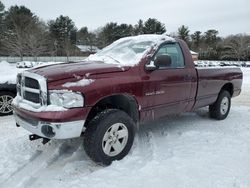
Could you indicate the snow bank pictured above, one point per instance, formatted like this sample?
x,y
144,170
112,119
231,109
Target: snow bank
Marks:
x,y
246,76
83,82
8,72
244,98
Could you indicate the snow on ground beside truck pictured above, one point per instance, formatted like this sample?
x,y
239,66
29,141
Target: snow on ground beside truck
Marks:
x,y
189,150
8,72
244,98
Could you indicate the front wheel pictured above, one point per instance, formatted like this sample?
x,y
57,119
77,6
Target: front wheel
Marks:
x,y
109,136
220,109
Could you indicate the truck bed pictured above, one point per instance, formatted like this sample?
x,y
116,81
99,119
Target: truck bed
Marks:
x,y
212,79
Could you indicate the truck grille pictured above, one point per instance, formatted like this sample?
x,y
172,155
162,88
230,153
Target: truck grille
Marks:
x,y
32,88
31,83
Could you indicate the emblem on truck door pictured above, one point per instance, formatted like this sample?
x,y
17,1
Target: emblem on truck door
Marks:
x,y
154,93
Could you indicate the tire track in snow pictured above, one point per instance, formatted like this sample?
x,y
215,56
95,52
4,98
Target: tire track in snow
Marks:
x,y
33,157
39,162
68,157
64,151
141,152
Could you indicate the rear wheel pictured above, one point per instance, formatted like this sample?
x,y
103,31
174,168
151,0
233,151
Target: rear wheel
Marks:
x,y
109,136
220,109
6,99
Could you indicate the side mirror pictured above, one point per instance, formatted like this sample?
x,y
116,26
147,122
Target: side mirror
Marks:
x,y
151,66
163,61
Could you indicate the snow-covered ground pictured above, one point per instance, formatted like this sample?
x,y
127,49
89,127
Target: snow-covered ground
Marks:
x,y
9,71
186,151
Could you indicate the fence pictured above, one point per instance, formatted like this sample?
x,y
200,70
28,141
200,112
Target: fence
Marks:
x,y
43,59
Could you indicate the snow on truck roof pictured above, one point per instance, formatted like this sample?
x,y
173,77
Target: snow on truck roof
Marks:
x,y
147,37
128,51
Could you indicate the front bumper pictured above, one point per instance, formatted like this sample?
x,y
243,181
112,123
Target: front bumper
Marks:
x,y
53,125
51,130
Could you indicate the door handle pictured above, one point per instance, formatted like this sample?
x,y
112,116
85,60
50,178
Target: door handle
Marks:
x,y
188,77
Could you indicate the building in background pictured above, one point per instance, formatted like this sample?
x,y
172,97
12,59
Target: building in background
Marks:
x,y
194,55
87,49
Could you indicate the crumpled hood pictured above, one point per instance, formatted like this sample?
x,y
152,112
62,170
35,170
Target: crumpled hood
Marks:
x,y
70,70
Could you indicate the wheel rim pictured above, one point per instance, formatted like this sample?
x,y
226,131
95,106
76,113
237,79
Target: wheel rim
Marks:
x,y
224,105
115,139
5,104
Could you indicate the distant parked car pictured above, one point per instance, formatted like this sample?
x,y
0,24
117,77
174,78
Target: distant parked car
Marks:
x,y
247,64
7,94
25,64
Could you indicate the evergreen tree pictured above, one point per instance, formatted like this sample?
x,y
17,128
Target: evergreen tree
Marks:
x,y
125,30
138,28
211,48
83,36
63,31
183,33
112,31
153,26
211,38
196,40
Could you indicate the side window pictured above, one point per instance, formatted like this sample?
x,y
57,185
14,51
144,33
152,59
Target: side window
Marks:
x,y
175,52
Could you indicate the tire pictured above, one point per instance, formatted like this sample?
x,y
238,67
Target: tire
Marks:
x,y
6,98
101,145
220,109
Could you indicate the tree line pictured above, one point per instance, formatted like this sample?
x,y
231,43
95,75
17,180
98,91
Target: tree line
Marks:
x,y
22,33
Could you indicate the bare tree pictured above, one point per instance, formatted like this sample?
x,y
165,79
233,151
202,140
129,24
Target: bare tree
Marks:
x,y
1,24
37,40
236,47
68,48
18,21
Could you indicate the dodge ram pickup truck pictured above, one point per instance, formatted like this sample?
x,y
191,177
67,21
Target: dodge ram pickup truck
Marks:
x,y
105,97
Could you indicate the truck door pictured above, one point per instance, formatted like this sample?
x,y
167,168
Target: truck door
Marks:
x,y
172,83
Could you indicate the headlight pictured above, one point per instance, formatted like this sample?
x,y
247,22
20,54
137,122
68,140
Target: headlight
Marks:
x,y
67,99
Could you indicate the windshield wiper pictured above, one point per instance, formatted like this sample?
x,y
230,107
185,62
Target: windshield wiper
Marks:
x,y
112,58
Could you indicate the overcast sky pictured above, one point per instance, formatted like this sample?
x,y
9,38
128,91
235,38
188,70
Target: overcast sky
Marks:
x,y
227,16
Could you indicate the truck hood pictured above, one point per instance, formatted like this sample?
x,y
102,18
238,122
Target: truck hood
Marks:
x,y
74,70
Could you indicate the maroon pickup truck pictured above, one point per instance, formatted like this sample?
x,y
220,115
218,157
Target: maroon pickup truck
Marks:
x,y
134,80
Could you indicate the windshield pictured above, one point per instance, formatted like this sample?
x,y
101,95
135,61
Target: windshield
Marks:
x,y
129,51
126,51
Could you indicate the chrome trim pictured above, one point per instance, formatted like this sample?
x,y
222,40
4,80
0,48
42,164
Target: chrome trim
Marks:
x,y
43,98
61,130
31,90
